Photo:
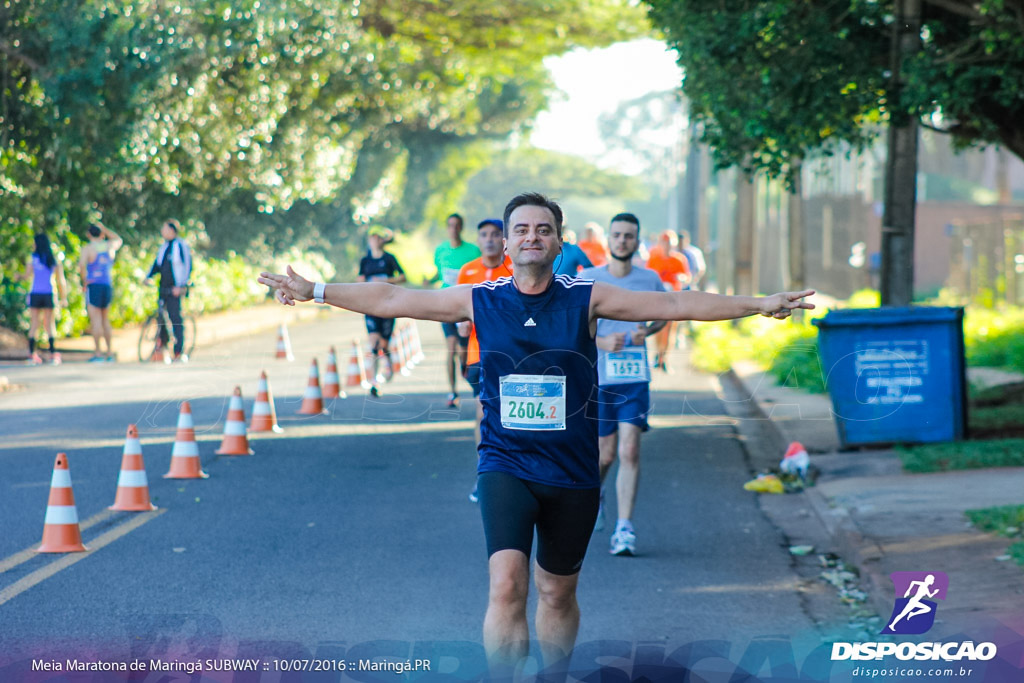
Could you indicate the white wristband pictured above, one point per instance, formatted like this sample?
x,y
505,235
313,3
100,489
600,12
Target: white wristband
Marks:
x,y
318,292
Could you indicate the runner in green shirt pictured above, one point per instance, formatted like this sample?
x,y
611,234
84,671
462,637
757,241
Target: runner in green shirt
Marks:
x,y
449,257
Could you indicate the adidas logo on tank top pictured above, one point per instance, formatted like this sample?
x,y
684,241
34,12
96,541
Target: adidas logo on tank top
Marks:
x,y
530,323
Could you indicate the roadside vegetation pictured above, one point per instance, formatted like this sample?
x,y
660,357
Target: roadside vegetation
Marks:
x,y
789,353
1006,521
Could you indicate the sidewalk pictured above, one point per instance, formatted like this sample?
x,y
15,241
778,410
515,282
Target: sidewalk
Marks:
x,y
883,520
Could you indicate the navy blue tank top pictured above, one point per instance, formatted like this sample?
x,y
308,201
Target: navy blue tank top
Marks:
x,y
538,376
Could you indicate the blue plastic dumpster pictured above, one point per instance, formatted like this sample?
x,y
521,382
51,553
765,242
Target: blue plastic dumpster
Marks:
x,y
895,375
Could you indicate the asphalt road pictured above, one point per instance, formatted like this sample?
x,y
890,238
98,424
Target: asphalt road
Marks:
x,y
351,533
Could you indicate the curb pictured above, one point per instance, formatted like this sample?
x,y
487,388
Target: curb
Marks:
x,y
851,542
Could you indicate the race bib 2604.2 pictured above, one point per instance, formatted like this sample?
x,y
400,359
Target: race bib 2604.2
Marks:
x,y
533,402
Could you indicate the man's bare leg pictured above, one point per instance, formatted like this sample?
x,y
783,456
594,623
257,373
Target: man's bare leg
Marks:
x,y
451,360
558,614
607,447
628,477
506,634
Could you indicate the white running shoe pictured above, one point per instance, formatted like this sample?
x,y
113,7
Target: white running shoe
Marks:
x,y
623,543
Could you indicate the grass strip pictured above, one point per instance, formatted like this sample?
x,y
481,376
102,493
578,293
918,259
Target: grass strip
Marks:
x,y
962,455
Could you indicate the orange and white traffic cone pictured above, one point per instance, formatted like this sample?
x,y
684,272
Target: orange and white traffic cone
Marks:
x,y
235,441
403,352
356,374
284,344
185,453
396,361
417,347
332,382
60,530
264,417
312,400
409,348
132,484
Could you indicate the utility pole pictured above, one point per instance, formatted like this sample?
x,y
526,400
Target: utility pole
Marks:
x,y
746,249
901,167
691,199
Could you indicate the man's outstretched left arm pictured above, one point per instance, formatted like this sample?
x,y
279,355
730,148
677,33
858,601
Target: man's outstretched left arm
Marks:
x,y
615,303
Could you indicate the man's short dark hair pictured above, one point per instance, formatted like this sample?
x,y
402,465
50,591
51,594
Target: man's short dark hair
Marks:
x,y
95,230
458,218
496,222
173,224
534,199
626,218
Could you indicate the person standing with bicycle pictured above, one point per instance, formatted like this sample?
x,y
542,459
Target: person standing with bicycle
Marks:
x,y
173,263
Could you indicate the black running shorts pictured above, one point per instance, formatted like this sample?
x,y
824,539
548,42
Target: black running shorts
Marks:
x,y
452,330
99,295
385,327
39,301
473,377
564,519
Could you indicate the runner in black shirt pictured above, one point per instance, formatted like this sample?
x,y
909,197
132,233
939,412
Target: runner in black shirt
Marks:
x,y
379,266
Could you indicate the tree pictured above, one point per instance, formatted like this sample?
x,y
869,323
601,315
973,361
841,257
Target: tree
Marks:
x,y
773,81
299,119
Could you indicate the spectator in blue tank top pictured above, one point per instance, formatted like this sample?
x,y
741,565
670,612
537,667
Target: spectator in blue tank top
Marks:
x,y
43,270
96,265
538,468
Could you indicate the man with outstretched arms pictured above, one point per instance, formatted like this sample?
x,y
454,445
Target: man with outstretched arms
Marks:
x,y
624,376
538,467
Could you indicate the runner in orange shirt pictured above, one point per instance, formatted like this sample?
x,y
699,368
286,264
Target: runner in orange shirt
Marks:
x,y
674,270
493,263
594,244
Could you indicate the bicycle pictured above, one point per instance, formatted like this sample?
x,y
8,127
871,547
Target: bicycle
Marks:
x,y
150,341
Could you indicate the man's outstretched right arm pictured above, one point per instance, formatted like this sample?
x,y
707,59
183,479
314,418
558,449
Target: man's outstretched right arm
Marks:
x,y
379,299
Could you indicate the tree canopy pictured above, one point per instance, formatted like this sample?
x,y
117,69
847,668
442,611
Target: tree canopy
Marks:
x,y
263,122
561,175
774,80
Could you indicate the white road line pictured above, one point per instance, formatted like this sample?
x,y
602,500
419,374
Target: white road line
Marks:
x,y
27,554
104,539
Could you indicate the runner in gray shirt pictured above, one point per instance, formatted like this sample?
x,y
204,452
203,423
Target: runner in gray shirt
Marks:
x,y
624,377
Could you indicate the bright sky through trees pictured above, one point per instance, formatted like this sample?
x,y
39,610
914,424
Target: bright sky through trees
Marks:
x,y
594,82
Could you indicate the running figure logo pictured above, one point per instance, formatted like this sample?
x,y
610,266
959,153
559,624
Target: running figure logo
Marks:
x,y
914,612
